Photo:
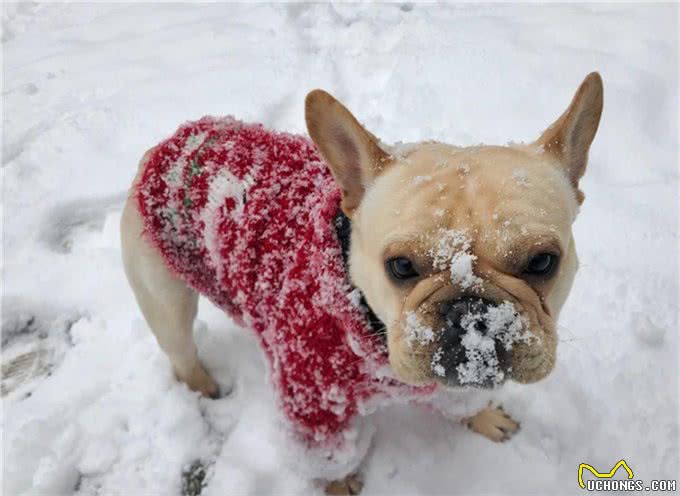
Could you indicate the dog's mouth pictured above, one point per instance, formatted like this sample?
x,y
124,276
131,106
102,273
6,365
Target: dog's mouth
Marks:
x,y
468,342
474,345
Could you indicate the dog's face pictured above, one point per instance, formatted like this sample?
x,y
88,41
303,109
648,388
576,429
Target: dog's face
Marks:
x,y
466,254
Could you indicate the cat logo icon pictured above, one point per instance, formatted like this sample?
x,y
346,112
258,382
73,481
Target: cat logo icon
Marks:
x,y
599,475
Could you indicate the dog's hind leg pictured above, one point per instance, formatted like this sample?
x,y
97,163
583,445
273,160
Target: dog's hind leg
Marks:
x,y
167,303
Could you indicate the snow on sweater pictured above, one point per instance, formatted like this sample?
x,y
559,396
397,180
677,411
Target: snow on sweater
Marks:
x,y
246,216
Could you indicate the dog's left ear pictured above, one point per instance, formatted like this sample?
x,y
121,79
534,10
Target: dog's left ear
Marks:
x,y
569,138
352,153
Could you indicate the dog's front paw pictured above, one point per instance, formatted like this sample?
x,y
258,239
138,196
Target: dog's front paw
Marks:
x,y
352,484
493,423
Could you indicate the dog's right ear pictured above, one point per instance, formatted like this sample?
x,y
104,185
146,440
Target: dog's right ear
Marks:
x,y
352,153
570,137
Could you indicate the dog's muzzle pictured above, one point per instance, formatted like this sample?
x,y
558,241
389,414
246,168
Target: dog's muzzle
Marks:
x,y
468,352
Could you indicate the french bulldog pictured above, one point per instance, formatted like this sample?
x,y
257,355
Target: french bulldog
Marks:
x,y
452,263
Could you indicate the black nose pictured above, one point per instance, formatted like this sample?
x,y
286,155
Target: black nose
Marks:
x,y
454,311
460,317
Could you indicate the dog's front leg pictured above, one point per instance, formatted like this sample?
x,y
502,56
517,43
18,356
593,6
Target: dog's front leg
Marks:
x,y
350,485
493,423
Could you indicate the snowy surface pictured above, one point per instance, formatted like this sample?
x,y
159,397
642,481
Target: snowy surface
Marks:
x,y
89,87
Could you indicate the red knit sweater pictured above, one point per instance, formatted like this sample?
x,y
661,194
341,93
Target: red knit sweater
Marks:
x,y
245,216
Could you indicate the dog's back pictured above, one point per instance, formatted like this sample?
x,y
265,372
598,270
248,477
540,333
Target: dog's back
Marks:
x,y
246,217
223,202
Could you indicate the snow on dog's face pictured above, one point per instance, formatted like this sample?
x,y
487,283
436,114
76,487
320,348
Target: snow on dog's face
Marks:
x,y
466,254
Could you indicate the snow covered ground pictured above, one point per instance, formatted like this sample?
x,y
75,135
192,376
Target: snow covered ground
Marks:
x,y
89,402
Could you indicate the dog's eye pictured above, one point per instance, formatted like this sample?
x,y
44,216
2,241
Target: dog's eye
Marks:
x,y
401,268
541,264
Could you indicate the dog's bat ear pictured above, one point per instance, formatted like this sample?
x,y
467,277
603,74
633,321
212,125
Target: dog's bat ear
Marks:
x,y
569,138
352,153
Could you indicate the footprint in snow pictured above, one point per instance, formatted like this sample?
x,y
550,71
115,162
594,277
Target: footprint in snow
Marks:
x,y
34,341
60,227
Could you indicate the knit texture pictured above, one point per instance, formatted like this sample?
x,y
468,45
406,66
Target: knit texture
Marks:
x,y
245,216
